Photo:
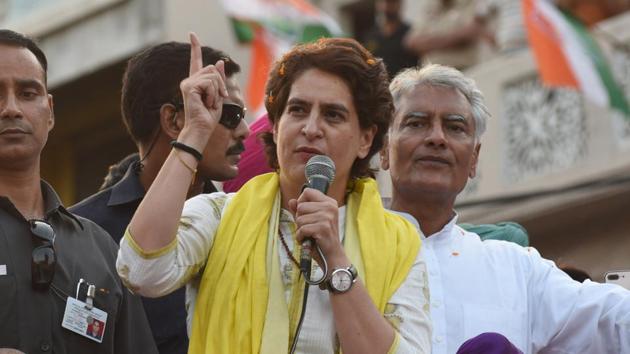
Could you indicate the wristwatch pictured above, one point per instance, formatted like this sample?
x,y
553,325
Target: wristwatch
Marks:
x,y
341,279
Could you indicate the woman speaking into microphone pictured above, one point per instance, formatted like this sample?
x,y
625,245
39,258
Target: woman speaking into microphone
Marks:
x,y
239,254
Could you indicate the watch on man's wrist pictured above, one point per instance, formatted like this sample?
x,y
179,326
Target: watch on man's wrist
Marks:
x,y
342,279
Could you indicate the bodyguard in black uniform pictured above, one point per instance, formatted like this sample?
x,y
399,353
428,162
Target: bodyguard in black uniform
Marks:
x,y
57,270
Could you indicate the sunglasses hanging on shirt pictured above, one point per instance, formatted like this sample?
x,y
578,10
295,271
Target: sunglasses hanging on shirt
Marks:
x,y
43,257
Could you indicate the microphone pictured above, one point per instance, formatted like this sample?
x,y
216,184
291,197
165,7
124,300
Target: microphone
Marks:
x,y
320,173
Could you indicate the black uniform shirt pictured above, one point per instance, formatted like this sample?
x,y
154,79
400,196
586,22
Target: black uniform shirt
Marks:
x,y
31,320
112,209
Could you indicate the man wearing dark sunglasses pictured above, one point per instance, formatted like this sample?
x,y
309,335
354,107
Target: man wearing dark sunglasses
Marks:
x,y
153,112
45,251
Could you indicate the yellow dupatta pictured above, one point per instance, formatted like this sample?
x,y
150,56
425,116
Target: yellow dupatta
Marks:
x,y
233,313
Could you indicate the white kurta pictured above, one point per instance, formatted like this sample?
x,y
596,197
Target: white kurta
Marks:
x,y
182,265
497,286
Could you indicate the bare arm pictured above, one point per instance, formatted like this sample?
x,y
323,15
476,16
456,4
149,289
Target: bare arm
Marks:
x,y
154,225
360,327
421,42
405,311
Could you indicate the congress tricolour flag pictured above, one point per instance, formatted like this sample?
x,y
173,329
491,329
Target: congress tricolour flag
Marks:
x,y
272,27
567,55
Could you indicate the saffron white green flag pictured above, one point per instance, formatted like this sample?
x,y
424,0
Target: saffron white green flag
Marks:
x,y
272,27
568,56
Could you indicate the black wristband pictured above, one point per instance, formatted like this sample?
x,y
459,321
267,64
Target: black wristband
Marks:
x,y
191,150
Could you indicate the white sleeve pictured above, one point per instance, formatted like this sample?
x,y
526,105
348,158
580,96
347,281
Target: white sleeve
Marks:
x,y
425,16
408,311
571,317
158,273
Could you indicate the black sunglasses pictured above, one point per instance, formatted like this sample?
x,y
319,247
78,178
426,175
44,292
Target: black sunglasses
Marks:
x,y
231,114
43,258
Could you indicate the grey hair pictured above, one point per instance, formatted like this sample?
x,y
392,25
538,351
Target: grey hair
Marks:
x,y
445,76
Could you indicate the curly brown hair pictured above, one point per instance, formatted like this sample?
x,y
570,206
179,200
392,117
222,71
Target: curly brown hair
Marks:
x,y
364,74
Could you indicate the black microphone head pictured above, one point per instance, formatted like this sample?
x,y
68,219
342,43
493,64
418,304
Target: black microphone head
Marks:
x,y
321,166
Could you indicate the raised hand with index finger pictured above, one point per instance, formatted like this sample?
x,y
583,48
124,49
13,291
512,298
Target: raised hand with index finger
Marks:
x,y
203,93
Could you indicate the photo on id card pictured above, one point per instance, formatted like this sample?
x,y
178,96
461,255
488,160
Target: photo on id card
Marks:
x,y
79,319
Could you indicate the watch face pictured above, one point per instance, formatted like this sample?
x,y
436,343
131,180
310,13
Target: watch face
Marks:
x,y
341,280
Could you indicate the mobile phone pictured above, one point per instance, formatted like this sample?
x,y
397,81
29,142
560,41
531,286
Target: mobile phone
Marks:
x,y
619,277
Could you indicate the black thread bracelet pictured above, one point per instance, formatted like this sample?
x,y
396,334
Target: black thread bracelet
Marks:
x,y
191,150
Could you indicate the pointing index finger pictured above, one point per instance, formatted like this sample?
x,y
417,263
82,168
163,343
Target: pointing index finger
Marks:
x,y
196,59
220,65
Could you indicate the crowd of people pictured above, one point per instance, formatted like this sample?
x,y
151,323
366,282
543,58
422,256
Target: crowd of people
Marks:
x,y
463,33
159,261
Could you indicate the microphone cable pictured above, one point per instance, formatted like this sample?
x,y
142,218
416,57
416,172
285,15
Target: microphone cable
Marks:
x,y
305,263
305,269
302,314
